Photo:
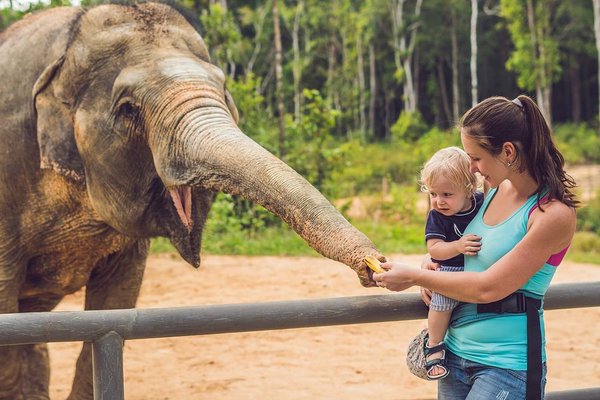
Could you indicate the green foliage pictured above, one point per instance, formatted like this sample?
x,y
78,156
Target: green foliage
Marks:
x,y
585,248
9,15
392,237
255,117
221,34
311,145
408,127
364,168
434,140
578,143
588,216
399,206
234,213
161,245
536,63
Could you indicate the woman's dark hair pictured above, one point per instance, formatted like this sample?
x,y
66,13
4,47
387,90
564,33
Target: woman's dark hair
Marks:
x,y
498,120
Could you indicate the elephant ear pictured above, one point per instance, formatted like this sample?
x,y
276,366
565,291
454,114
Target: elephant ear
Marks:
x,y
232,108
56,139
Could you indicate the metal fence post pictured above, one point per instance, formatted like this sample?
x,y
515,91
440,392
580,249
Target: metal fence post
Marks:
x,y
107,355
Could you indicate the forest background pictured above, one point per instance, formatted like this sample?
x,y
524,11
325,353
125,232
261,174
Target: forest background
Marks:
x,y
356,95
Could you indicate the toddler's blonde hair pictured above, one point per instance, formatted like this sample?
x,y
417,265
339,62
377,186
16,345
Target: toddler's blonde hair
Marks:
x,y
451,163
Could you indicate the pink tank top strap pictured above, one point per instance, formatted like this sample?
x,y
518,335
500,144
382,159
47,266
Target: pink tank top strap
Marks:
x,y
555,259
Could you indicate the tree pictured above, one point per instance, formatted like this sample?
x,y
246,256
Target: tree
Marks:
x,y
473,64
535,58
279,80
297,63
456,106
597,35
404,35
222,36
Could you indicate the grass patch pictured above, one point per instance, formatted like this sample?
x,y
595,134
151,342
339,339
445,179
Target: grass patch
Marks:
x,y
585,248
394,238
276,241
283,241
389,238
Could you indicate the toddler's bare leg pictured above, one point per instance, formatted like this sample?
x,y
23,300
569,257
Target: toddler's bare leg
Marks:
x,y
437,324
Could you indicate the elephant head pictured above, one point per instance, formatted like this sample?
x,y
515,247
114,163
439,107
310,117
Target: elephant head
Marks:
x,y
133,109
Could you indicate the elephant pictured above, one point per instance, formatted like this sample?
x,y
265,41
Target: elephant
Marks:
x,y
116,128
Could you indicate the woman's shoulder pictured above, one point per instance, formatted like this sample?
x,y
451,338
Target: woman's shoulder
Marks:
x,y
554,215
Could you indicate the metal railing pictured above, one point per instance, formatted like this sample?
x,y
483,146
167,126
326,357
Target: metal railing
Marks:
x,y
107,329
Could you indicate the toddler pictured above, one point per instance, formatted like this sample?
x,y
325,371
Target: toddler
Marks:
x,y
454,201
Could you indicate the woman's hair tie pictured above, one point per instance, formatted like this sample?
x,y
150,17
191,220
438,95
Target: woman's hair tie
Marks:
x,y
517,102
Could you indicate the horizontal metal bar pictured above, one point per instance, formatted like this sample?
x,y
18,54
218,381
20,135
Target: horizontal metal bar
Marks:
x,y
579,394
68,326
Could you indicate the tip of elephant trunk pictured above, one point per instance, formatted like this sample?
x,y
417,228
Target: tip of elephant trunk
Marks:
x,y
369,265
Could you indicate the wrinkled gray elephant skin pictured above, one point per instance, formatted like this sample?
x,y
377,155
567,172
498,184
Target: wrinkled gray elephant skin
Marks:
x,y
116,128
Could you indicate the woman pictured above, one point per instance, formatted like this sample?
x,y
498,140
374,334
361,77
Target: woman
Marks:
x,y
526,222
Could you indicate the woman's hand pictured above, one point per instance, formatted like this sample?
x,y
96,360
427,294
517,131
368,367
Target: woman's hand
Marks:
x,y
397,277
430,265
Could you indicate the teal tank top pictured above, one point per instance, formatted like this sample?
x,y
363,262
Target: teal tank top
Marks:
x,y
499,340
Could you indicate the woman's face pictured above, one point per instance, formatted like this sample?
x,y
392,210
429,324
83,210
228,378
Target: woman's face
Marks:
x,y
489,166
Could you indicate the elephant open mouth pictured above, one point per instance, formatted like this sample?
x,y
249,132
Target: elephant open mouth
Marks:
x,y
182,200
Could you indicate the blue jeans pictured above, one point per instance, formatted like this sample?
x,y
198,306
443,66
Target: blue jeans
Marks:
x,y
469,380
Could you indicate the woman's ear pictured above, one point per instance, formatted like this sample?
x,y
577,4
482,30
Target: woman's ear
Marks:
x,y
55,136
232,108
509,153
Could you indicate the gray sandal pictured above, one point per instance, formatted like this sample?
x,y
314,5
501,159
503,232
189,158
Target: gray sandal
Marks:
x,y
436,362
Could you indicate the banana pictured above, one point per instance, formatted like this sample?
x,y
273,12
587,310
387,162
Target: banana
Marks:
x,y
374,264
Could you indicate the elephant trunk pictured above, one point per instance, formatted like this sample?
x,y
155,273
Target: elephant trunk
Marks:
x,y
212,153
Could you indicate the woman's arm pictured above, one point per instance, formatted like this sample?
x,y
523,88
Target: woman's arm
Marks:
x,y
549,232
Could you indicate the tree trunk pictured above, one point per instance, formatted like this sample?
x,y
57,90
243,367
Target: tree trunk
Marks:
x,y
575,84
416,77
372,90
542,84
404,53
330,70
361,87
444,95
455,83
297,66
257,39
597,34
279,80
474,82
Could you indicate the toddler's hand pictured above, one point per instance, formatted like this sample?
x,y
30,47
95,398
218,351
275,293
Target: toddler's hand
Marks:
x,y
468,245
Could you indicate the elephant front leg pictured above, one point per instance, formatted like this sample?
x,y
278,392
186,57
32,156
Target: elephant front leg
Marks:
x,y
25,372
115,284
10,373
36,374
13,361
35,362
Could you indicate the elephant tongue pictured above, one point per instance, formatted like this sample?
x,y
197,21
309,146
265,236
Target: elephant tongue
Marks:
x,y
182,199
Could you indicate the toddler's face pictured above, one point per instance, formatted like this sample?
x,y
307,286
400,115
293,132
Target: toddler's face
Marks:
x,y
447,198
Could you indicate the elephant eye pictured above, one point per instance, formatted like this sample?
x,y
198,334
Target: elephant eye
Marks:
x,y
126,118
128,110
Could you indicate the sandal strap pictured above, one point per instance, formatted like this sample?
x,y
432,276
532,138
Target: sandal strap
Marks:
x,y
434,349
436,361
439,376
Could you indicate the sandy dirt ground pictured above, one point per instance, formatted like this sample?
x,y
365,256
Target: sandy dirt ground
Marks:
x,y
343,362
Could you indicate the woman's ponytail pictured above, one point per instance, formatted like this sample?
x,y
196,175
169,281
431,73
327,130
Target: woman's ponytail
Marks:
x,y
498,120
